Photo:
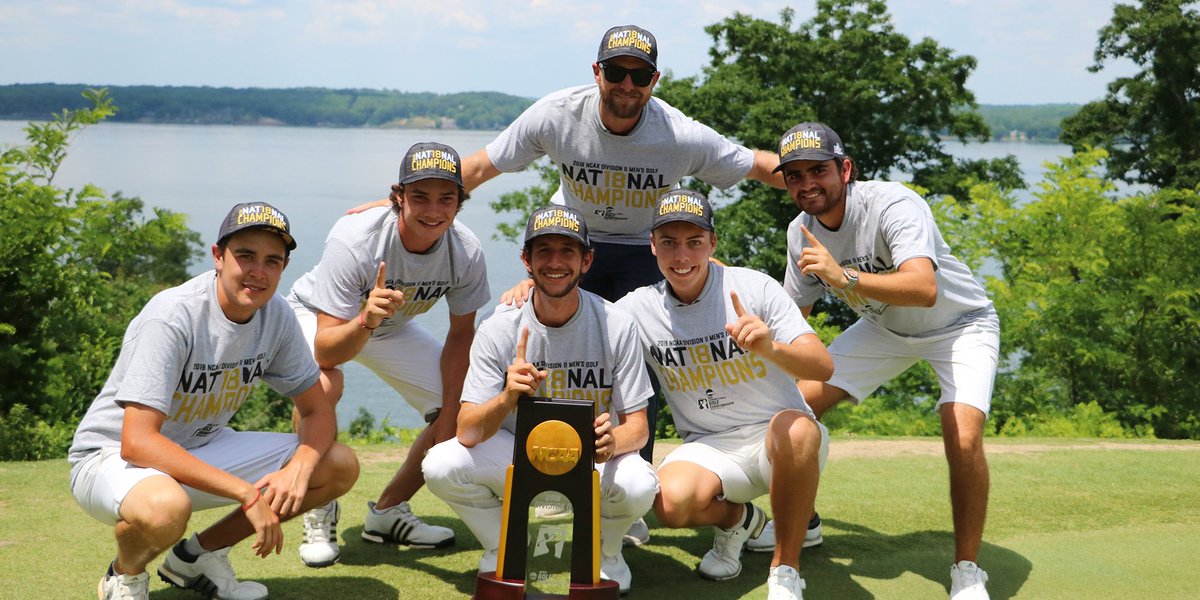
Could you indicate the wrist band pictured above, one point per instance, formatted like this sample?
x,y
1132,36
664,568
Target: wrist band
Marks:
x,y
246,507
362,322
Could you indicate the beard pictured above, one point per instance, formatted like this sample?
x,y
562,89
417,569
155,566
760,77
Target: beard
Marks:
x,y
540,283
824,203
627,110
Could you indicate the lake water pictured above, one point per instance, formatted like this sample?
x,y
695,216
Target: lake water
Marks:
x,y
314,175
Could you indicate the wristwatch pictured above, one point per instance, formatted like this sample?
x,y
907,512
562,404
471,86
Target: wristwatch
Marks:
x,y
851,279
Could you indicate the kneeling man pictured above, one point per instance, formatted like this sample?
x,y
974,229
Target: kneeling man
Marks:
x,y
727,345
154,445
531,350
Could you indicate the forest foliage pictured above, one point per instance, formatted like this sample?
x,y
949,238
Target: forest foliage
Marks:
x,y
1098,297
313,107
382,108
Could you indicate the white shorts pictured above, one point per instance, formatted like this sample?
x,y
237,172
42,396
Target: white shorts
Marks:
x,y
405,357
866,356
101,481
739,458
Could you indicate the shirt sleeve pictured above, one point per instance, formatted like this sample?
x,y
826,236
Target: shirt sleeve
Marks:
x,y
293,369
488,369
781,314
908,230
158,358
631,383
338,281
521,142
803,289
472,292
716,160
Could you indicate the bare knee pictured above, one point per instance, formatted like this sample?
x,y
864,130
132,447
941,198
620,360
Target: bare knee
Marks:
x,y
793,431
820,396
962,431
342,463
676,502
159,507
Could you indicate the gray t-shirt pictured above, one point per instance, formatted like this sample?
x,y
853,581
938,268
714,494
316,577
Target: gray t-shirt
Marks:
x,y
711,383
182,357
593,356
885,225
346,274
615,180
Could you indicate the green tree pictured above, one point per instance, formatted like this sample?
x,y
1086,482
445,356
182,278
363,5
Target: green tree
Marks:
x,y
524,202
890,98
75,266
1148,122
1097,299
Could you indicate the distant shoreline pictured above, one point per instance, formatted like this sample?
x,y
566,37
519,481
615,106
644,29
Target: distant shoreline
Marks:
x,y
18,119
296,107
263,123
381,109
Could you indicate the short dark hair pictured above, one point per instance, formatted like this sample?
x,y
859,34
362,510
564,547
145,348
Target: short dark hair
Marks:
x,y
398,189
221,245
854,174
525,250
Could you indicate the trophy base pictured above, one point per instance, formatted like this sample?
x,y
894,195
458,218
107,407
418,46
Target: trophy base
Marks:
x,y
488,587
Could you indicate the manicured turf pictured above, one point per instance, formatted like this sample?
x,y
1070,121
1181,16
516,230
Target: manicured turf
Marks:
x,y
1068,519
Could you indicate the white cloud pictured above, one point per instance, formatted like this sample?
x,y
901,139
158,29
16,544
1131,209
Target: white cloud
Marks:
x,y
1028,50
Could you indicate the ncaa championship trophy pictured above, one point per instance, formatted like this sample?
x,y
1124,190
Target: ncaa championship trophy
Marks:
x,y
553,452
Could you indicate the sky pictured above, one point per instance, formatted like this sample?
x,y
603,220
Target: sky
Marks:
x,y
1028,51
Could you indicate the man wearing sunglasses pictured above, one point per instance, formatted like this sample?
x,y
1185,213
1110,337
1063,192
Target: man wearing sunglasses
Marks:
x,y
618,149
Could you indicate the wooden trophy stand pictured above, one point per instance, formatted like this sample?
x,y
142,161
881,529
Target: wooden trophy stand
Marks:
x,y
554,450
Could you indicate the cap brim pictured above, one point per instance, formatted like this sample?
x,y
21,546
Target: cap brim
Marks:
x,y
819,155
631,54
697,221
420,176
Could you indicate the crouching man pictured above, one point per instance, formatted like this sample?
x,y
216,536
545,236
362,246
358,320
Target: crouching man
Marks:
x,y
529,351
154,445
727,345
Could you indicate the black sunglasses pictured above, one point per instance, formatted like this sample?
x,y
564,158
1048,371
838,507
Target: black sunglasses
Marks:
x,y
615,74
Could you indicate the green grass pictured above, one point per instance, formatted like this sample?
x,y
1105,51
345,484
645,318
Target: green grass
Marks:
x,y
1068,519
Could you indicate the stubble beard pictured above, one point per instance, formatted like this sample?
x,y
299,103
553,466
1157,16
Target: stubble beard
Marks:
x,y
622,111
567,289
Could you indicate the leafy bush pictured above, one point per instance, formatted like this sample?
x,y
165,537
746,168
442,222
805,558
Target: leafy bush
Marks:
x,y
264,410
1097,300
1082,420
362,429
75,267
25,436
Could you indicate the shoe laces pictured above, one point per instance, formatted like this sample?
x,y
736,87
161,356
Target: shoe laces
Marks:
x,y
729,543
784,583
406,514
969,575
219,560
319,525
724,542
131,588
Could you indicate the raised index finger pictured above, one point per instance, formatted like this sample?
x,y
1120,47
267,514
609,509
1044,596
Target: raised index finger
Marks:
x,y
522,343
812,239
381,279
737,304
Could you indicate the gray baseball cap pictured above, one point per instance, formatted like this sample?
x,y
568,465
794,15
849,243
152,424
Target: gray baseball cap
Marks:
x,y
557,220
810,141
256,215
683,205
427,160
628,40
